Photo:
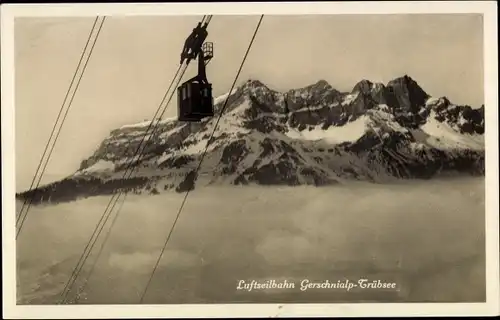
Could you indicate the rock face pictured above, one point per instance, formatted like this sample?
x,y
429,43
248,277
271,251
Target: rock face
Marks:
x,y
314,135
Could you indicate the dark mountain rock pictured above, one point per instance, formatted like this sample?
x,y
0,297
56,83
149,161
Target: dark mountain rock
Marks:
x,y
405,95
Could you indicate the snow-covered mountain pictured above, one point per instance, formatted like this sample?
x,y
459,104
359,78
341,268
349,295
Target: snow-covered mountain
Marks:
x,y
315,135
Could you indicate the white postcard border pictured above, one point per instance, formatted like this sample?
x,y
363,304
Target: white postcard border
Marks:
x,y
11,310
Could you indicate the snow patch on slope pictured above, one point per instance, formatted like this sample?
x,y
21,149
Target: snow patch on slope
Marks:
x,y
350,132
348,99
230,125
221,98
432,101
100,166
384,119
442,136
145,124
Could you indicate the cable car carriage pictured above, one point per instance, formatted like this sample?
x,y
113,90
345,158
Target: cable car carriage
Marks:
x,y
194,97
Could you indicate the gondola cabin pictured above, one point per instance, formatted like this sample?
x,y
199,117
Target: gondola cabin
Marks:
x,y
194,101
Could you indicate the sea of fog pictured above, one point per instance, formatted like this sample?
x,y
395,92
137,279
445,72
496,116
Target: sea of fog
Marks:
x,y
425,236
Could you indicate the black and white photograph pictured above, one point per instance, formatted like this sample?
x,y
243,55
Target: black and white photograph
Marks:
x,y
244,157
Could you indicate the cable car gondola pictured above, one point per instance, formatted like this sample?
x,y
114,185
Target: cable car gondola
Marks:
x,y
194,97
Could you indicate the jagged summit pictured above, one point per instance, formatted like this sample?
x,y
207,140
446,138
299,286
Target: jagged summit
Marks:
x,y
322,83
364,86
319,86
254,83
374,133
402,93
406,94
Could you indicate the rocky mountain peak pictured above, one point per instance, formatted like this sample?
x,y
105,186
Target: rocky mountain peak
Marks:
x,y
253,86
405,95
319,86
364,86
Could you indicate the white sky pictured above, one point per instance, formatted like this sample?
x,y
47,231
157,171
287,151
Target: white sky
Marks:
x,y
136,57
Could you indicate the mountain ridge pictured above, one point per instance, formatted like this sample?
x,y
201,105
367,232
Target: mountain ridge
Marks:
x,y
315,135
